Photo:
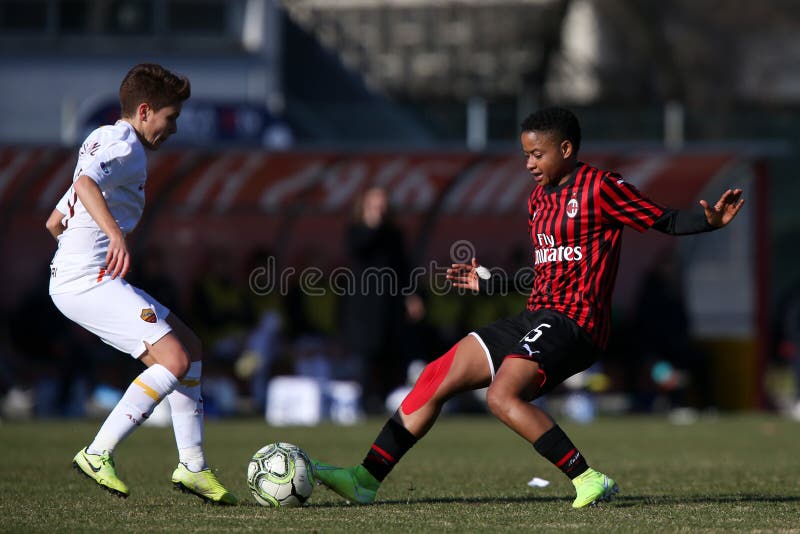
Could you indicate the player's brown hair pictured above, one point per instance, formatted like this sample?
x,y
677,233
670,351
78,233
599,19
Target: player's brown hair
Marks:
x,y
151,83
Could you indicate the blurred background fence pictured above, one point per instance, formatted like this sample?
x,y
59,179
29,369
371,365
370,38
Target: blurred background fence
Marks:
x,y
299,106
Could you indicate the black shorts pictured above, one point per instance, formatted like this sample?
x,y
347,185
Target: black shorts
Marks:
x,y
555,341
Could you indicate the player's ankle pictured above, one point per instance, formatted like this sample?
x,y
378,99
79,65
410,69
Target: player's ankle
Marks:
x,y
365,477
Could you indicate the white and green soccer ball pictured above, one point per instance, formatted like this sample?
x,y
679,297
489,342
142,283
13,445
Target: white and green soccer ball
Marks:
x,y
279,474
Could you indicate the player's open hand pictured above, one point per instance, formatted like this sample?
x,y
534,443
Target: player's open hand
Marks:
x,y
464,275
725,209
118,259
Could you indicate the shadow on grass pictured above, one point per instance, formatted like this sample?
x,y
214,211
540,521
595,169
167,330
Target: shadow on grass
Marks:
x,y
668,500
620,501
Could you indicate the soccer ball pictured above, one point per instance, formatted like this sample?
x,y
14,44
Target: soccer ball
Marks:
x,y
279,474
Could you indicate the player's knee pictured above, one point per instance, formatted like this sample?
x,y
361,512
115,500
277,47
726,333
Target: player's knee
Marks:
x,y
178,365
170,352
175,359
188,339
499,401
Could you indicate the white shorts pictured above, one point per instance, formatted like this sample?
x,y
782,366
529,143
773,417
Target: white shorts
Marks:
x,y
120,314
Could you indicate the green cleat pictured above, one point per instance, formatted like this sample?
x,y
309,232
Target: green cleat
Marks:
x,y
355,484
593,487
100,468
204,484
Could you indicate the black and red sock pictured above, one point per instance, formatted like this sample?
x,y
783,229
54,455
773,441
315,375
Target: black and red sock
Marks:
x,y
559,450
393,441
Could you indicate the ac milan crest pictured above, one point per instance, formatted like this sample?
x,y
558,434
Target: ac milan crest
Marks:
x,y
572,208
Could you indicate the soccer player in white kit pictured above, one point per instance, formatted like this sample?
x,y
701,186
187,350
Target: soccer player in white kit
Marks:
x,y
87,283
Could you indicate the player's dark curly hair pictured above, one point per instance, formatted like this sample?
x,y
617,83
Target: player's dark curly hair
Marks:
x,y
151,83
558,120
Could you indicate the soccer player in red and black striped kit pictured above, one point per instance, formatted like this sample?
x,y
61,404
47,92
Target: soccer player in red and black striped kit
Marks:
x,y
576,214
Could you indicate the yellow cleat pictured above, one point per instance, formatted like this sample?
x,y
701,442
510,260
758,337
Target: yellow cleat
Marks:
x,y
593,487
100,468
204,484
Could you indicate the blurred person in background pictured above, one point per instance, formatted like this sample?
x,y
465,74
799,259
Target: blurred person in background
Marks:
x,y
223,316
662,336
222,310
576,215
87,283
790,343
373,313
420,337
52,369
265,341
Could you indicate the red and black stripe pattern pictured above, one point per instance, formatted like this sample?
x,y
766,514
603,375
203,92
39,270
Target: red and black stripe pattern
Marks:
x,y
576,230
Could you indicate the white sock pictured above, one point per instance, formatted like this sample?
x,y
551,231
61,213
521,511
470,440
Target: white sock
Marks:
x,y
136,405
186,405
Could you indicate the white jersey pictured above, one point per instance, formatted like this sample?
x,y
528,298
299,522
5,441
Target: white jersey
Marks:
x,y
115,159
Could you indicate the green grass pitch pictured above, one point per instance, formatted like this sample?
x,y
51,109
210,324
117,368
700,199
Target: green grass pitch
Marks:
x,y
731,473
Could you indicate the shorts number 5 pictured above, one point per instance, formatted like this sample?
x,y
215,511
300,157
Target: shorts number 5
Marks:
x,y
531,339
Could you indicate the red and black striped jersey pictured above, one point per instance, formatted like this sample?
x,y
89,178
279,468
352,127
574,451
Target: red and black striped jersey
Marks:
x,y
576,229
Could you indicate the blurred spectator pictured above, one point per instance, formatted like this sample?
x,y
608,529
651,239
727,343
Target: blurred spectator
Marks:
x,y
420,337
373,312
670,361
790,343
220,306
222,312
262,281
264,343
57,366
260,353
310,305
7,371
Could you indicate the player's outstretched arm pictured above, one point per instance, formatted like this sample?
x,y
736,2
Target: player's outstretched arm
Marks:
x,y
726,208
464,275
117,259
